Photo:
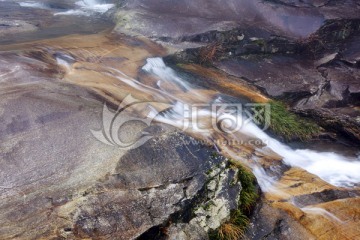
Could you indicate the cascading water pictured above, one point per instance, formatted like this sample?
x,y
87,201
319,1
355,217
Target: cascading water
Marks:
x,y
163,85
94,6
53,92
82,7
31,4
333,168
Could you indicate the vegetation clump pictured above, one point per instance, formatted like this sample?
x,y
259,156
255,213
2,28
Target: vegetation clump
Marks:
x,y
230,231
288,125
249,193
235,227
208,54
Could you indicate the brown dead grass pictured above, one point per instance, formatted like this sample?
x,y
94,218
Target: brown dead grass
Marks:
x,y
209,53
230,231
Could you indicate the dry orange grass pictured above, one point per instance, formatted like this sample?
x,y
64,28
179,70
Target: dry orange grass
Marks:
x,y
208,54
230,231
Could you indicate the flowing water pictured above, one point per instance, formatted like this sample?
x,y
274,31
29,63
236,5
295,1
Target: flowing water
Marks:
x,y
337,170
159,84
333,168
34,20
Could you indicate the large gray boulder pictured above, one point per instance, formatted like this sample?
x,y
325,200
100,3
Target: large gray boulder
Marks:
x,y
58,181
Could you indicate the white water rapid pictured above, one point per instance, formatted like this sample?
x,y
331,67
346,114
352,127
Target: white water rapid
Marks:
x,y
333,168
81,8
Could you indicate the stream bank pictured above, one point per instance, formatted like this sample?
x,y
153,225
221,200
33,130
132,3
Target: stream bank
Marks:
x,y
61,182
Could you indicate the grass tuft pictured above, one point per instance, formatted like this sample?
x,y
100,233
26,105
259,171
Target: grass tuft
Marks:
x,y
209,53
230,231
288,125
236,226
249,193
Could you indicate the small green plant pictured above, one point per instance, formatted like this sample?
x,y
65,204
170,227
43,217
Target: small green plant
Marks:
x,y
235,227
289,125
249,193
239,219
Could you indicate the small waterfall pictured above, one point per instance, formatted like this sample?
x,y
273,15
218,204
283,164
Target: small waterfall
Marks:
x,y
95,6
157,66
82,8
162,85
87,8
333,168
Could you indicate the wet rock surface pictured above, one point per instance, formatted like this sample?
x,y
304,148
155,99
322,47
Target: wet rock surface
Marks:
x,y
176,19
148,186
318,76
116,197
321,210
47,152
59,182
299,79
273,224
22,21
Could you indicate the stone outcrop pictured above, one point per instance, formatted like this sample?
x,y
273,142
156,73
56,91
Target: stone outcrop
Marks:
x,y
176,19
317,76
22,21
150,186
59,181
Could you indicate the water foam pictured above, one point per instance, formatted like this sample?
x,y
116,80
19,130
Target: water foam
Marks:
x,y
87,8
31,4
73,12
94,6
333,168
158,67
